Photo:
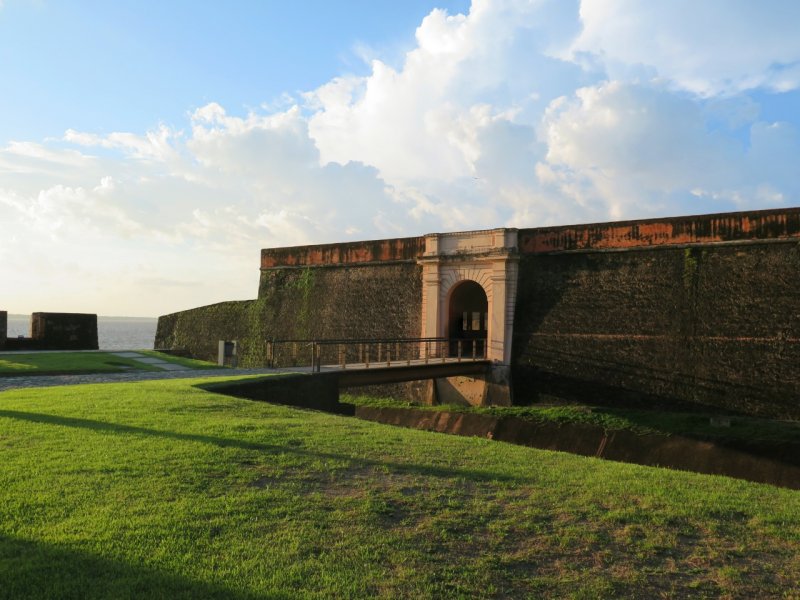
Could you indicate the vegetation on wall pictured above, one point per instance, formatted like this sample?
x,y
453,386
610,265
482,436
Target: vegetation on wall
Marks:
x,y
366,301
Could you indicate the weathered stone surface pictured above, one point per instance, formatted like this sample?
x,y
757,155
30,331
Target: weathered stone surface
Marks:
x,y
57,331
365,301
65,331
781,223
716,325
392,250
674,312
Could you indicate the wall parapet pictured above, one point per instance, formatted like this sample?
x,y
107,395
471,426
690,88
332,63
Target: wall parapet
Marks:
x,y
347,253
778,224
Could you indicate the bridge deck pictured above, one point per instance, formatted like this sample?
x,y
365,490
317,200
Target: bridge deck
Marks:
x,y
354,375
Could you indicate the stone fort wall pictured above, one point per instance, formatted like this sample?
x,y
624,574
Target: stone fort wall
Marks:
x,y
356,290
701,309
693,309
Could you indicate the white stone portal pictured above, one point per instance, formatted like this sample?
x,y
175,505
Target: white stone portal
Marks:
x,y
491,259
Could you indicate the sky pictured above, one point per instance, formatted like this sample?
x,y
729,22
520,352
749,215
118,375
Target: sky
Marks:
x,y
149,150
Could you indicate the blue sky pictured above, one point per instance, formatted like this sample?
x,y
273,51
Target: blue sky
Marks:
x,y
148,150
129,65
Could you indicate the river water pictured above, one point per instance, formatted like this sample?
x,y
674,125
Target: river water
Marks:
x,y
113,333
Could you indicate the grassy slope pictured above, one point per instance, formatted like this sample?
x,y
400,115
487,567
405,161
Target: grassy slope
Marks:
x,y
640,421
45,363
160,489
42,363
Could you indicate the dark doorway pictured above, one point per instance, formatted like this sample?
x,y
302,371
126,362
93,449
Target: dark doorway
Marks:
x,y
467,319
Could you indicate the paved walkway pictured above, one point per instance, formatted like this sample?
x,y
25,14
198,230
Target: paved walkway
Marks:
x,y
152,361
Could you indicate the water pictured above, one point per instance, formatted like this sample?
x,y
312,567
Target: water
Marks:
x,y
113,333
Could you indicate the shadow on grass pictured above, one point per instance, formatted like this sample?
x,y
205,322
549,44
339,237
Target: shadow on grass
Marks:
x,y
39,570
445,473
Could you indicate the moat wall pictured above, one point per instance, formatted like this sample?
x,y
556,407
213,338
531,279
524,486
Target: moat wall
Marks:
x,y
698,310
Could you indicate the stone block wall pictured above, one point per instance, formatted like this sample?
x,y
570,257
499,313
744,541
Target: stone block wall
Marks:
x,y
64,331
196,332
54,331
368,300
617,315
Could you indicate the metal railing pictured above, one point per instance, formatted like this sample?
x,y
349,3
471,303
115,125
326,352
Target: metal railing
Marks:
x,y
370,352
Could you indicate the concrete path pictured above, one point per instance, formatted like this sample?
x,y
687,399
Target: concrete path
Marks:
x,y
152,361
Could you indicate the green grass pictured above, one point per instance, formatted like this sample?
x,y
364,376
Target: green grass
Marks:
x,y
162,489
46,363
49,363
695,425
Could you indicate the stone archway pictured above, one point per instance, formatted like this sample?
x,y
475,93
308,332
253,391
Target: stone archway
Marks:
x,y
472,272
487,258
467,319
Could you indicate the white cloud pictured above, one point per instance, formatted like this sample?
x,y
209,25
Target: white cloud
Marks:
x,y
423,121
709,47
480,125
642,150
235,185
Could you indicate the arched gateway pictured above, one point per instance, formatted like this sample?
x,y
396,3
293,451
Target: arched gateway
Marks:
x,y
469,288
467,319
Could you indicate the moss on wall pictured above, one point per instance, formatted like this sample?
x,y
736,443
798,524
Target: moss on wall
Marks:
x,y
383,300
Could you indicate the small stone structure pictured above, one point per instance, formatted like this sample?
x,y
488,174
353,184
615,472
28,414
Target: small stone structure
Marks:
x,y
54,331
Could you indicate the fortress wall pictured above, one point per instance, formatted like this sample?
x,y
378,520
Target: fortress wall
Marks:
x,y
701,229
701,310
347,253
379,300
355,290
695,309
196,332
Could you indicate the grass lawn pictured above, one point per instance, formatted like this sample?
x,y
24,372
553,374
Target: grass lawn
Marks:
x,y
696,425
49,363
161,489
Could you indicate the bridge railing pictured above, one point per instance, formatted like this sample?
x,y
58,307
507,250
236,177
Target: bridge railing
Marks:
x,y
370,352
